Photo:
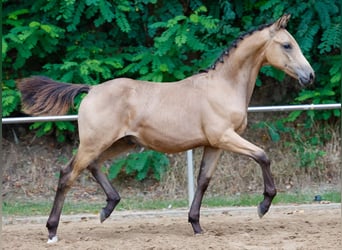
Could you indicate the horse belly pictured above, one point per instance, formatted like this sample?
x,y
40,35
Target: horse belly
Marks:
x,y
174,146
171,139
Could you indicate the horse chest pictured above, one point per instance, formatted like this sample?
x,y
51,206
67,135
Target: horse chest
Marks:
x,y
238,121
227,113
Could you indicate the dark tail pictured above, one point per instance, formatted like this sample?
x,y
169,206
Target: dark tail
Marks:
x,y
43,96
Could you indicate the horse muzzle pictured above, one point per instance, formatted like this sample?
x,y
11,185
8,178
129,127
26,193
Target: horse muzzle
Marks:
x,y
306,78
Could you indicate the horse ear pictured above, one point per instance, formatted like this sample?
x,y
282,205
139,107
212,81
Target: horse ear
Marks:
x,y
282,22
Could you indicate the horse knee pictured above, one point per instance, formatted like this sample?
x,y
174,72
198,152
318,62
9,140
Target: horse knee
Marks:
x,y
64,173
262,159
270,192
115,199
66,177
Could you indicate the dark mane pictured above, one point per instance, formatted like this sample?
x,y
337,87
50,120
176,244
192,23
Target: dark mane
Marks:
x,y
234,45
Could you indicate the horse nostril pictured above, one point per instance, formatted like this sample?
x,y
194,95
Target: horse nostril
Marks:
x,y
312,77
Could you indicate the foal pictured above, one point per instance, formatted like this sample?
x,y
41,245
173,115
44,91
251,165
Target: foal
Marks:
x,y
208,109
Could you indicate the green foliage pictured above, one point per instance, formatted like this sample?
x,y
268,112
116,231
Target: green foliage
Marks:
x,y
306,144
326,93
174,40
308,147
10,97
58,128
140,164
90,41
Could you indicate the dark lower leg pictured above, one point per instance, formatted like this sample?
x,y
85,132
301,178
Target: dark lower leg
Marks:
x,y
194,213
269,187
113,197
55,214
208,165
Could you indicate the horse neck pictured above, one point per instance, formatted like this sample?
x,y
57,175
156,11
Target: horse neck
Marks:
x,y
240,69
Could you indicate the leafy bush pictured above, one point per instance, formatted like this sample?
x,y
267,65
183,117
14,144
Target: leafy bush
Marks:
x,y
10,97
89,41
140,164
305,142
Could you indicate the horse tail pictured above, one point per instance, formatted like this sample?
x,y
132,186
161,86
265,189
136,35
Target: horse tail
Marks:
x,y
43,96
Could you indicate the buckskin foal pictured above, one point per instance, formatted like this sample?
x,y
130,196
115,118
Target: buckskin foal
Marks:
x,y
208,109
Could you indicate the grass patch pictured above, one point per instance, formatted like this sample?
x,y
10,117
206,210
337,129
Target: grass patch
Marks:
x,y
143,204
246,200
332,196
43,208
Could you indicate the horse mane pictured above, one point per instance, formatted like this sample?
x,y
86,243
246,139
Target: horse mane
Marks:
x,y
234,45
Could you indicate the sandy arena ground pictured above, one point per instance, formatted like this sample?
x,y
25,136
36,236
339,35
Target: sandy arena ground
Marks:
x,y
285,227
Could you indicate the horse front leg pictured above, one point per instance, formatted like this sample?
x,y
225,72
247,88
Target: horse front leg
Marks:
x,y
231,141
207,168
269,187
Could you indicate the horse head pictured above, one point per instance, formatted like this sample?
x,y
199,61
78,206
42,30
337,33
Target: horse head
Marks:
x,y
283,52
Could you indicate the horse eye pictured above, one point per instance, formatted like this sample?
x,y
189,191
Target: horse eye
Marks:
x,y
287,46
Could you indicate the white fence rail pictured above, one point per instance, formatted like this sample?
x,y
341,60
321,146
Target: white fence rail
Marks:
x,y
16,120
191,185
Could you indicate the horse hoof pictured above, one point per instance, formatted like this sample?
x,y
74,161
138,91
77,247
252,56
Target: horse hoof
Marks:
x,y
201,233
260,213
103,216
53,240
198,231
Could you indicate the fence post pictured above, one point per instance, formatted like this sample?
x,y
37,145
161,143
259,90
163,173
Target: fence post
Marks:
x,y
191,185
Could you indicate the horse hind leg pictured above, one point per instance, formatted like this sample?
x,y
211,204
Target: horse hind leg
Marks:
x,y
113,197
53,220
66,179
